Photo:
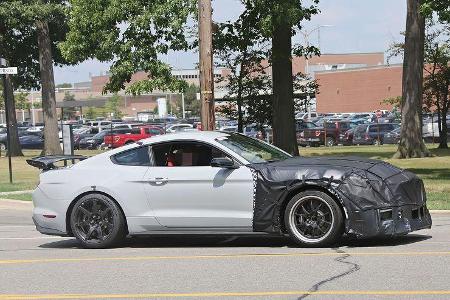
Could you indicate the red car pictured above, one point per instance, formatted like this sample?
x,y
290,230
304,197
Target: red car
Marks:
x,y
136,134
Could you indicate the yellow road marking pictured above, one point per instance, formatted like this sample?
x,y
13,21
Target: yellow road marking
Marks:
x,y
223,294
220,256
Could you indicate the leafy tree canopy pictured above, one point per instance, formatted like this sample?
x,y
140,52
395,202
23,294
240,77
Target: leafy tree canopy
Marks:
x,y
266,15
440,7
132,34
64,85
19,39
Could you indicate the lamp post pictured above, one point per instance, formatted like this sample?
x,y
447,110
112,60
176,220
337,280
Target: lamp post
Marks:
x,y
306,35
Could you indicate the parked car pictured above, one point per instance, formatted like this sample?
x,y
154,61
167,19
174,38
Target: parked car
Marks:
x,y
32,141
392,137
225,183
328,135
306,116
4,137
372,134
178,127
115,140
346,138
96,141
301,125
229,128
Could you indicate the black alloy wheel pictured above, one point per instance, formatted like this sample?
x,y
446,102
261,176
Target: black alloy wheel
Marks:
x,y
97,222
313,218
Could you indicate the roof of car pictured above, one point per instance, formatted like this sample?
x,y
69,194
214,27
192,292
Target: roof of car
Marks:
x,y
206,136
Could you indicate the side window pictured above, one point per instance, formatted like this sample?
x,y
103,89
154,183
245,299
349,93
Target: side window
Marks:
x,y
136,130
345,125
134,157
389,127
190,154
154,131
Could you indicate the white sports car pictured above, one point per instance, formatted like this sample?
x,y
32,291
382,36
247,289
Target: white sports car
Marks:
x,y
223,182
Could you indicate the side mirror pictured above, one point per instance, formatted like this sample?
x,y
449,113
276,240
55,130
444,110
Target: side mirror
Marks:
x,y
223,162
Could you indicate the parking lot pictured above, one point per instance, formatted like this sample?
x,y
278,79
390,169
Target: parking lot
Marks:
x,y
35,266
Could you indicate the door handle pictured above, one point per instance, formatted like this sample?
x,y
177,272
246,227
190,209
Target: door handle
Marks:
x,y
159,180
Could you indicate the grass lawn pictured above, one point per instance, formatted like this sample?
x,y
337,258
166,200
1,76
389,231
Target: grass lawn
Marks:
x,y
435,171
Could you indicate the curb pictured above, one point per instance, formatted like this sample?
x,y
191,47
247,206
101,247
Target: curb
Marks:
x,y
16,193
440,211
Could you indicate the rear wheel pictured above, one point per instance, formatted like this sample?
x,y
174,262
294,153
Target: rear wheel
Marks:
x,y
378,142
330,142
313,219
2,147
97,222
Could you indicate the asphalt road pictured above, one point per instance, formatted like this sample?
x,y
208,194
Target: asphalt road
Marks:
x,y
34,266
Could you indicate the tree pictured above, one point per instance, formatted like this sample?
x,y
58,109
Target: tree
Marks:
x,y
257,99
411,142
113,105
69,113
192,104
437,79
132,35
14,148
30,31
63,85
436,69
22,103
90,113
277,22
236,44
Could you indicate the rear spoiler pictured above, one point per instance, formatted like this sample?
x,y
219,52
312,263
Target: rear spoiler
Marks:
x,y
48,162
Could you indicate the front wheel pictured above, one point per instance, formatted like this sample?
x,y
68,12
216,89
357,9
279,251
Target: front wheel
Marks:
x,y
97,222
314,219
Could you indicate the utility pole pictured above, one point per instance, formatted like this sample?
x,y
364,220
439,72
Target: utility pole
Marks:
x,y
206,65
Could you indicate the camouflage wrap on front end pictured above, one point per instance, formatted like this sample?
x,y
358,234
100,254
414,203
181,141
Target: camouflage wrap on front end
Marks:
x,y
377,198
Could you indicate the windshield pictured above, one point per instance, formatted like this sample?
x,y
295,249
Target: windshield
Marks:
x,y
252,150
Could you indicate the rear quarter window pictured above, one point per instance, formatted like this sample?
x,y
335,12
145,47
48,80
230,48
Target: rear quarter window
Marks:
x,y
134,157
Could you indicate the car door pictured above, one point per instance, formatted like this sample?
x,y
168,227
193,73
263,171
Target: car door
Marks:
x,y
186,192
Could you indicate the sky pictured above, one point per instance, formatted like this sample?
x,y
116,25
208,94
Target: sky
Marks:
x,y
356,26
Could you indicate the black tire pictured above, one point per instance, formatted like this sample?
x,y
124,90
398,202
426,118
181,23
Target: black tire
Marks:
x,y
378,142
3,147
330,142
324,222
97,221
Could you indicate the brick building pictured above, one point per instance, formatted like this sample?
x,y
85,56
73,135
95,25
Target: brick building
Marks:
x,y
359,89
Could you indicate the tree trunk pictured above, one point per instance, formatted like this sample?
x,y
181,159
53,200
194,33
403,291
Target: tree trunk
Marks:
x,y
411,141
443,122
10,108
284,135
51,137
239,104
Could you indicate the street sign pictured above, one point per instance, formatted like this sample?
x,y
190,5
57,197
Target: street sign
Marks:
x,y
8,71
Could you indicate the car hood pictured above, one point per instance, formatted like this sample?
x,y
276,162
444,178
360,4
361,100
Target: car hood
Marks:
x,y
320,167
